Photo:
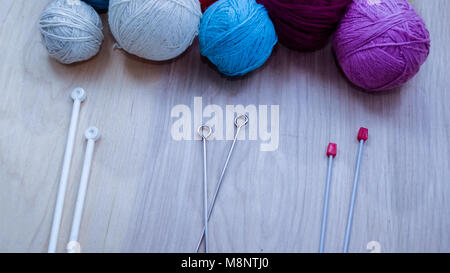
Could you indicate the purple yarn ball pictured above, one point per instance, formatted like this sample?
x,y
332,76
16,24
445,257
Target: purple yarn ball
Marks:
x,y
305,25
381,44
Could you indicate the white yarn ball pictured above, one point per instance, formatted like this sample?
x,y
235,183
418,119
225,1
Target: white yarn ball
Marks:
x,y
156,30
71,31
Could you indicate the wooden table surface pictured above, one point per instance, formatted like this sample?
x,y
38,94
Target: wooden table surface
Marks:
x,y
145,191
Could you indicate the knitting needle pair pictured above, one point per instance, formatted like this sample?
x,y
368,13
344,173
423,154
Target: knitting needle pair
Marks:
x,y
92,134
204,132
363,135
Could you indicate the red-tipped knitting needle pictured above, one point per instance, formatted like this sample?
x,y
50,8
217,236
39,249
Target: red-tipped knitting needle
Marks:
x,y
363,135
331,153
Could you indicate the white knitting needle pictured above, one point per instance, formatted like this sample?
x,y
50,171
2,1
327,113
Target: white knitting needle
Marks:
x,y
331,153
363,135
78,96
204,132
238,125
92,134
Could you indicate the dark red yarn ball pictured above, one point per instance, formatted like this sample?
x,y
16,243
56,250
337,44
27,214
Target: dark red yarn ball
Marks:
x,y
305,25
206,3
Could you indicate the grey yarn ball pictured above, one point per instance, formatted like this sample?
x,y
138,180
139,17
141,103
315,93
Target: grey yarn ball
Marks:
x,y
156,30
71,30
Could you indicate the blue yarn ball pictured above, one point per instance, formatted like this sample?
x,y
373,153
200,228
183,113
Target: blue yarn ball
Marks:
x,y
99,5
237,36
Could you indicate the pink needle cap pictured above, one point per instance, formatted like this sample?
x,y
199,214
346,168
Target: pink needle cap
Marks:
x,y
363,134
332,149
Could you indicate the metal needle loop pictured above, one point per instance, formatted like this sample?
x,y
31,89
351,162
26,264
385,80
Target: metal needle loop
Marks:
x,y
241,121
204,131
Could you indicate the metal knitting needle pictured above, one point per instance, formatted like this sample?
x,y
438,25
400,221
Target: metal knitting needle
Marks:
x,y
92,134
78,96
205,131
240,121
331,153
363,135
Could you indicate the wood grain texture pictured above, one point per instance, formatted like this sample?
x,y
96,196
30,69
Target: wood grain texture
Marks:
x,y
145,188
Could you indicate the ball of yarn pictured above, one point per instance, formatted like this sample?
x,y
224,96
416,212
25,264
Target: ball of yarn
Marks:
x,y
381,44
156,30
99,5
71,31
206,3
305,25
237,36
